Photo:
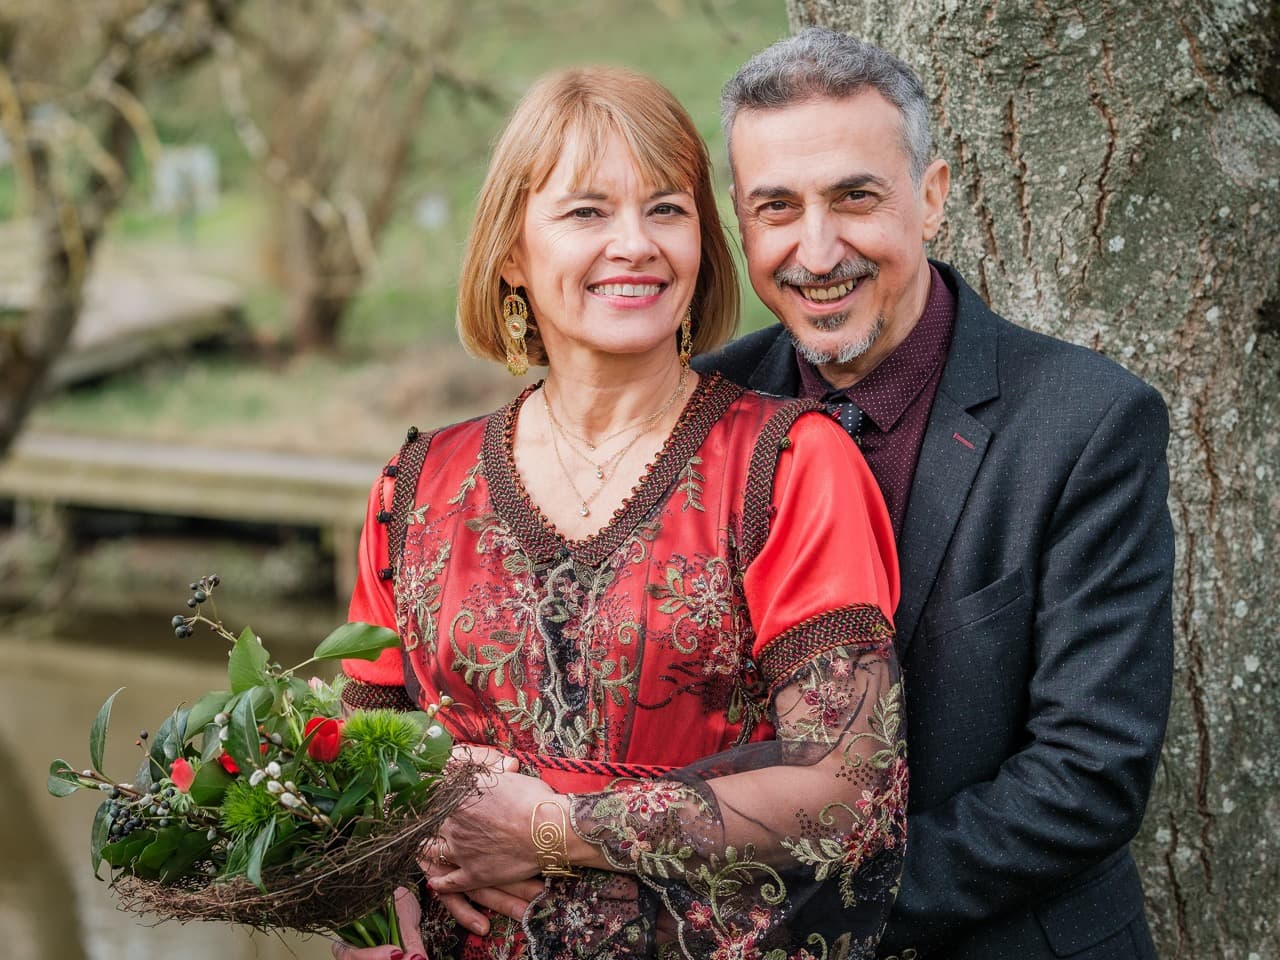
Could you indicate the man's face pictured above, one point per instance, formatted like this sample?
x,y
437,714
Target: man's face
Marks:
x,y
834,228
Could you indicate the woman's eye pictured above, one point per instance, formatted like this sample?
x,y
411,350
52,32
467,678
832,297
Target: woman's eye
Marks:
x,y
584,213
668,210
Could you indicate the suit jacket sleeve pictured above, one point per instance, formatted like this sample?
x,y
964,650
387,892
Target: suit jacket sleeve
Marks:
x,y
1097,702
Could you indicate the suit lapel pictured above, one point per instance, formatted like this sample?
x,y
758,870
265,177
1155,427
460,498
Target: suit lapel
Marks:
x,y
954,444
952,451
777,373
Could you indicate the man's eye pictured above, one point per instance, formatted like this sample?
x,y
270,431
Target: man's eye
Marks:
x,y
774,206
856,195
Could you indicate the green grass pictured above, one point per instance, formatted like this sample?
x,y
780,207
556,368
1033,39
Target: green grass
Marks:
x,y
403,317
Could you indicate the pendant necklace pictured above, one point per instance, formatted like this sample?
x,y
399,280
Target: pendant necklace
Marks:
x,y
603,468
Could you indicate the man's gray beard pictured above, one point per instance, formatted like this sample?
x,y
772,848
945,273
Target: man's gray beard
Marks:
x,y
847,353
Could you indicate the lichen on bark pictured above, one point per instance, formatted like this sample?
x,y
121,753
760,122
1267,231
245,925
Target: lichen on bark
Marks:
x,y
1116,182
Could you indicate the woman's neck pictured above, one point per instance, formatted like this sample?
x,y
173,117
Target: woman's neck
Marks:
x,y
594,403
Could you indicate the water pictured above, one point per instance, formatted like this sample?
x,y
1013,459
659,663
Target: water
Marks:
x,y
51,686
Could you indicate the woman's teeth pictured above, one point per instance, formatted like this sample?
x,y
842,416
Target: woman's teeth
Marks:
x,y
626,289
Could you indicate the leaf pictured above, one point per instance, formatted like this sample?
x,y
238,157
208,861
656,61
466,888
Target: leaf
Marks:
x,y
263,698
261,844
98,835
356,641
98,733
143,779
192,845
436,751
351,801
166,745
237,857
830,848
158,850
210,784
122,853
242,735
211,746
205,709
248,665
63,779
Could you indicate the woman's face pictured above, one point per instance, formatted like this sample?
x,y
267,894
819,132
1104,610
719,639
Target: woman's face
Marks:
x,y
608,264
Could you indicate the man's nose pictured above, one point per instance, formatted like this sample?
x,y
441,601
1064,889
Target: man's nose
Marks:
x,y
820,247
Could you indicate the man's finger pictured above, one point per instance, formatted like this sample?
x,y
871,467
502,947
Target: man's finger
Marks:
x,y
501,902
524,889
461,909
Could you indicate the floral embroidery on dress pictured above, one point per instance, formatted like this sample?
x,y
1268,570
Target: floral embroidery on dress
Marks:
x,y
637,650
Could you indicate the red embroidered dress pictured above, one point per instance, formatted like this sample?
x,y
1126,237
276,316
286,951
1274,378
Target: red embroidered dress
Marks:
x,y
711,676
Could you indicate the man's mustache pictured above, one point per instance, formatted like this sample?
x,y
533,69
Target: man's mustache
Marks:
x,y
853,269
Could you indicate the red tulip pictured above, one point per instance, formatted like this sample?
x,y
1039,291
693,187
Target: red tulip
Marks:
x,y
230,765
327,741
182,774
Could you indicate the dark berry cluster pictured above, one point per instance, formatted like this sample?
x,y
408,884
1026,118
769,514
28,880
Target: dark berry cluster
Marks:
x,y
200,592
127,814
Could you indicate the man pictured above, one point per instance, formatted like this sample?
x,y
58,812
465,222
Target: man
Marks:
x,y
1027,483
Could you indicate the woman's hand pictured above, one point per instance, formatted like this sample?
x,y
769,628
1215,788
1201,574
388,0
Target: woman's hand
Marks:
x,y
487,842
409,914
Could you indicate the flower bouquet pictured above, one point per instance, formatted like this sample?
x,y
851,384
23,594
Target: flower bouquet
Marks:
x,y
260,804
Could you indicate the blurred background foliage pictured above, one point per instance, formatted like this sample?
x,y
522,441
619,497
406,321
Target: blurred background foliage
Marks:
x,y
314,105
350,137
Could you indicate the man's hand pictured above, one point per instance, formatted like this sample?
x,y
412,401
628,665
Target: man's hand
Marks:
x,y
509,900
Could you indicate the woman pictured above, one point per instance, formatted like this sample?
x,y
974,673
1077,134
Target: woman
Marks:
x,y
645,590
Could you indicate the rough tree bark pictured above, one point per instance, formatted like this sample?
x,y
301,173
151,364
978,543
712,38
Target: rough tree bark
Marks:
x,y
1116,173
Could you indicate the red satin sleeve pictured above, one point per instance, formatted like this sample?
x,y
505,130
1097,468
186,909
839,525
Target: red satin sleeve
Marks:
x,y
830,543
373,600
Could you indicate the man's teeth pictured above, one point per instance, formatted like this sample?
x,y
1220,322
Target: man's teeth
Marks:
x,y
627,289
820,294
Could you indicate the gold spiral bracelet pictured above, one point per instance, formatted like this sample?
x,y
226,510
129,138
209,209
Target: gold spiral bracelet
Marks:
x,y
550,842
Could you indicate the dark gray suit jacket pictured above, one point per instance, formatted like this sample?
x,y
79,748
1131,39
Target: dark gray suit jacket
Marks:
x,y
1035,637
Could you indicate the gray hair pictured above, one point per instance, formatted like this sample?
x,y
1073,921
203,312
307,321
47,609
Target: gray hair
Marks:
x,y
818,63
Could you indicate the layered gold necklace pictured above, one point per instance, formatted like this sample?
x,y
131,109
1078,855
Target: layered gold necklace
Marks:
x,y
606,468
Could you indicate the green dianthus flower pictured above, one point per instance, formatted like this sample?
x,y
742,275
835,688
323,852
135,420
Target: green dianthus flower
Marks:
x,y
247,809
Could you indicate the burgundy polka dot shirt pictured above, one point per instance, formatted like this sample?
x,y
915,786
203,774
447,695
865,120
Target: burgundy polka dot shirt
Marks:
x,y
896,398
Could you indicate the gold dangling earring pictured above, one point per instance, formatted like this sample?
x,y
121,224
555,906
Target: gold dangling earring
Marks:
x,y
686,336
515,318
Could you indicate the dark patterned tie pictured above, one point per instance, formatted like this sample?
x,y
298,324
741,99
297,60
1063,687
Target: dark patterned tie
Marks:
x,y
848,413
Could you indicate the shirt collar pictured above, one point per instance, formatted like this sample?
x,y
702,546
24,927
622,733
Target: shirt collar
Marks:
x,y
887,391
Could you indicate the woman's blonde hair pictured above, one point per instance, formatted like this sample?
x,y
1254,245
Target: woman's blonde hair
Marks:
x,y
583,107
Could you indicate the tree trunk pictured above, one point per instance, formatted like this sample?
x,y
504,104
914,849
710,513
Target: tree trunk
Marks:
x,y
29,348
1116,171
71,207
324,276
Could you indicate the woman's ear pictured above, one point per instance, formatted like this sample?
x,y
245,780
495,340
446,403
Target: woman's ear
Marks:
x,y
513,271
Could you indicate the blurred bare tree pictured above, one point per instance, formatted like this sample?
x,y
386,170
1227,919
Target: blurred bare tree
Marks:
x,y
342,89
71,75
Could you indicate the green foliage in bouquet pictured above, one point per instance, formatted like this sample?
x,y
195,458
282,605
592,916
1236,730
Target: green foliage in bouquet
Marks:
x,y
261,804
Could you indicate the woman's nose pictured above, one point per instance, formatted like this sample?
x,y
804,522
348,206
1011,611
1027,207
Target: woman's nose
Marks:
x,y
632,240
